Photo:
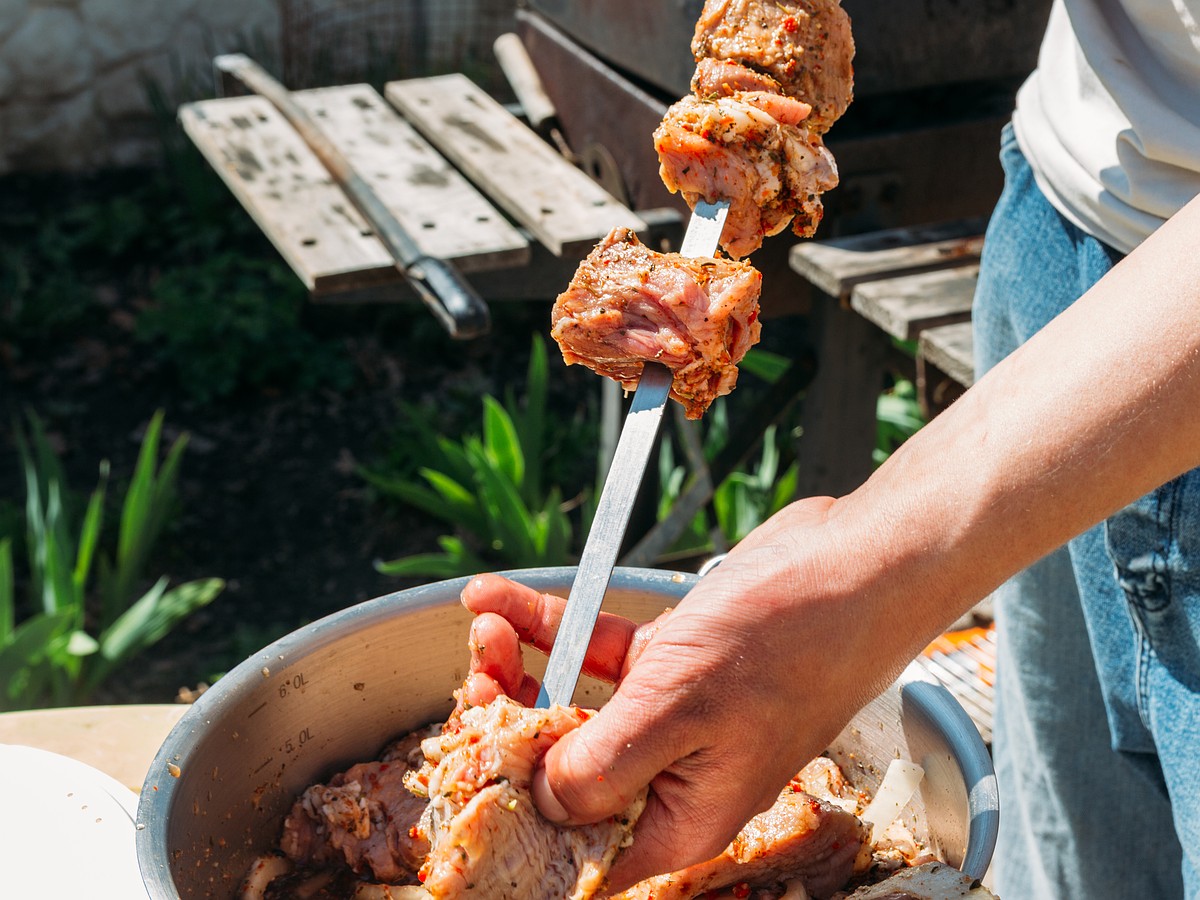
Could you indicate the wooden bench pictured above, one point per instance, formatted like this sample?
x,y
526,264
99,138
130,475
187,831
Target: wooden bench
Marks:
x,y
466,178
916,286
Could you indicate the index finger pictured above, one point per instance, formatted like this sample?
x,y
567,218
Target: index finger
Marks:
x,y
535,617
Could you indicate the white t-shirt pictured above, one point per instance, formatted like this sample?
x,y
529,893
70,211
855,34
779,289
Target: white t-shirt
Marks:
x,y
1110,120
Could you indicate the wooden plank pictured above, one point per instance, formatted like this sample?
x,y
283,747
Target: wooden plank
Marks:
x,y
521,173
285,188
444,214
952,349
836,266
905,306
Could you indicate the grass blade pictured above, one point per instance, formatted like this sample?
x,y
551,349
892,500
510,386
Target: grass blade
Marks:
x,y
501,443
7,598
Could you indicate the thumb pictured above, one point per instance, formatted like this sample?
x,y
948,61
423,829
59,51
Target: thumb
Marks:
x,y
598,769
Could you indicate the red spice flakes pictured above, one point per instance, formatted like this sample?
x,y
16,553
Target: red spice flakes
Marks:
x,y
790,25
741,890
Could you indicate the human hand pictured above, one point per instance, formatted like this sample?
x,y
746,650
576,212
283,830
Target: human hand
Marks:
x,y
718,704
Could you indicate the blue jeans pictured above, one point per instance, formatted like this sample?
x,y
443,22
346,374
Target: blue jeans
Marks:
x,y
1097,742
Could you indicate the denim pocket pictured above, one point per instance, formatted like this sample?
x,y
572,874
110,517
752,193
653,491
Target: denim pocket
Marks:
x,y
1153,544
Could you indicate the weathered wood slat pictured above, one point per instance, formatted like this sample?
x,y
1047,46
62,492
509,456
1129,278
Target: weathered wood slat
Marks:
x,y
521,173
950,348
310,220
289,193
447,217
905,306
837,265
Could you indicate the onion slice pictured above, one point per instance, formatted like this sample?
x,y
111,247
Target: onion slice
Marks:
x,y
899,784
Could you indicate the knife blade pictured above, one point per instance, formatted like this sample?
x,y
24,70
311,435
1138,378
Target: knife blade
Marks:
x,y
619,493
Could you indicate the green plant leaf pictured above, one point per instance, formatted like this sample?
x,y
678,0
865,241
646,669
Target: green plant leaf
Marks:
x,y
500,441
89,537
454,460
25,651
417,495
765,364
7,597
459,506
530,418
508,519
556,549
785,489
454,561
146,622
80,643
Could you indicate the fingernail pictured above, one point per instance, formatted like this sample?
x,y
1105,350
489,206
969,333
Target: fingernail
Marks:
x,y
545,800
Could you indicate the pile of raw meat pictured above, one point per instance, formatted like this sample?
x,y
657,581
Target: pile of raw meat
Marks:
x,y
448,813
771,77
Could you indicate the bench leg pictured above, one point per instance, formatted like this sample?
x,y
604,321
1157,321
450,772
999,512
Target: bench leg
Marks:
x,y
839,412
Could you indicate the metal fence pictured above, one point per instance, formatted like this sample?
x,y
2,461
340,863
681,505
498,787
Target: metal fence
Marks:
x,y
325,42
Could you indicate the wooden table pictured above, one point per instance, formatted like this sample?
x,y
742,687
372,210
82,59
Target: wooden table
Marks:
x,y
120,741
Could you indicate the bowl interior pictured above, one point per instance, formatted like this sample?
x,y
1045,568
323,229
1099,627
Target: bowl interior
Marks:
x,y
334,692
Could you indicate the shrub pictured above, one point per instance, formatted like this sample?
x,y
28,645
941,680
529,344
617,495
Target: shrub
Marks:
x,y
83,617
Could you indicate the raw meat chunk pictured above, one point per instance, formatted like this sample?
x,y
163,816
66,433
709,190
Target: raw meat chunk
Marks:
x,y
488,840
628,305
804,45
747,148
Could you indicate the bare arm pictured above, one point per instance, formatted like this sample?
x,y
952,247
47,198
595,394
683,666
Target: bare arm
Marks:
x,y
769,656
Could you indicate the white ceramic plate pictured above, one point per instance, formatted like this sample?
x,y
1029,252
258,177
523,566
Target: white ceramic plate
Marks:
x,y
66,829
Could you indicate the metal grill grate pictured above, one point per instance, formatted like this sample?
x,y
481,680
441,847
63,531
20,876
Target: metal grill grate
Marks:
x,y
964,662
328,42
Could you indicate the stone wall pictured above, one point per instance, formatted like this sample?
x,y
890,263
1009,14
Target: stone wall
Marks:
x,y
74,74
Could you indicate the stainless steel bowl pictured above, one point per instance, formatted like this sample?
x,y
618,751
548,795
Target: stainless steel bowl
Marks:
x,y
334,692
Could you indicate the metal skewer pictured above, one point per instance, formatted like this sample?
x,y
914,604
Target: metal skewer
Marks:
x,y
619,493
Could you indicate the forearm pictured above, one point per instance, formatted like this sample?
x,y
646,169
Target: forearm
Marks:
x,y
1098,408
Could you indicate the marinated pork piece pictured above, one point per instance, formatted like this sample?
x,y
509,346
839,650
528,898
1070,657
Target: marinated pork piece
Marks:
x,y
932,881
628,304
751,148
823,778
488,840
364,817
804,45
722,77
800,838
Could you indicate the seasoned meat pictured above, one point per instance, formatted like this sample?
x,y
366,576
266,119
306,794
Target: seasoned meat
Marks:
x,y
804,45
798,838
364,817
488,840
752,149
823,778
628,304
932,881
722,77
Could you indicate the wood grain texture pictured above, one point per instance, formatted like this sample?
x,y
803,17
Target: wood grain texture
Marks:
x,y
563,208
